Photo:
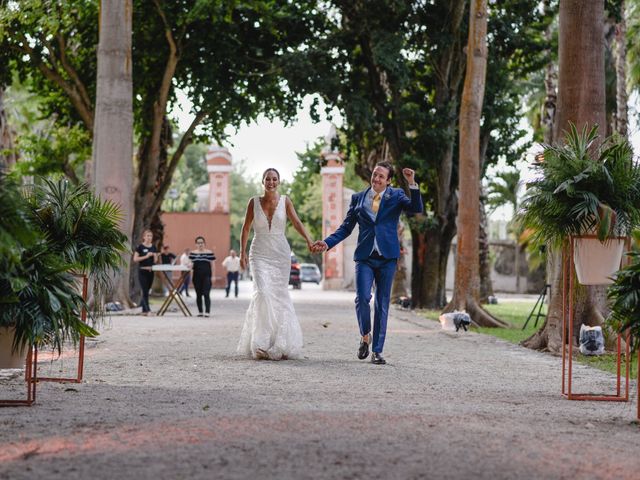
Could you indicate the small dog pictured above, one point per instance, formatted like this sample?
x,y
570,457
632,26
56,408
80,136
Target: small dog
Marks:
x,y
461,319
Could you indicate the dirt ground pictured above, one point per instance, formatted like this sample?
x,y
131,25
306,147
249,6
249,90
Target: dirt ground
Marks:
x,y
167,398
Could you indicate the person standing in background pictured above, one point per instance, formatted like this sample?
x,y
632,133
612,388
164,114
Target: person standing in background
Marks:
x,y
145,256
203,268
184,260
232,265
166,258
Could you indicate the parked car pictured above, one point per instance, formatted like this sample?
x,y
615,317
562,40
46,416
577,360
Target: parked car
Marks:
x,y
309,272
294,273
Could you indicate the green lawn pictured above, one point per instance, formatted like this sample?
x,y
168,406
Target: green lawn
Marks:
x,y
516,313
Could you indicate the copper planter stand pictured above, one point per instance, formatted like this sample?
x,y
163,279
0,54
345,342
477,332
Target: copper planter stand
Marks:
x,y
80,369
30,378
568,277
31,364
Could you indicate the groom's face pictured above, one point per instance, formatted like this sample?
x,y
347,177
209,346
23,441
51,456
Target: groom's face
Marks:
x,y
380,178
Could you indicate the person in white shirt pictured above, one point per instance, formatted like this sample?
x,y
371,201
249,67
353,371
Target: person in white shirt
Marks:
x,y
185,260
232,265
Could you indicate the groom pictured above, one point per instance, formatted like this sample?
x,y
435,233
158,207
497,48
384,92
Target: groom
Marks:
x,y
376,210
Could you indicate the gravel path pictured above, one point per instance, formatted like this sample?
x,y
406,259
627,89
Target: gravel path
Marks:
x,y
166,397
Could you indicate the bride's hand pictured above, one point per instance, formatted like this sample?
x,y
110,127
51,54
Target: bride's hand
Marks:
x,y
243,261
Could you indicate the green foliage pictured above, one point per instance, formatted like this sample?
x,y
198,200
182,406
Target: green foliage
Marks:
x,y
230,57
515,313
190,174
624,297
583,186
503,190
243,187
394,70
16,233
633,46
40,299
59,150
306,194
49,235
48,43
79,227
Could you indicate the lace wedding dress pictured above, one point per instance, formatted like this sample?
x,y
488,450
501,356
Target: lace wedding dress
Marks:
x,y
271,329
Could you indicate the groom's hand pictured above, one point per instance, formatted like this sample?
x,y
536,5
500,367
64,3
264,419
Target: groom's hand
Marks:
x,y
319,246
409,175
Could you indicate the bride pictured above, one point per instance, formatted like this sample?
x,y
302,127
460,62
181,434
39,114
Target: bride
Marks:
x,y
271,329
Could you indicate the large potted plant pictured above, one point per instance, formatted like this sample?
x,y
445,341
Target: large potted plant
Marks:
x,y
624,298
50,233
585,188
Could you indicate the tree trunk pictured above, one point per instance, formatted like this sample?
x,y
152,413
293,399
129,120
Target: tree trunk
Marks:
x,y
399,288
7,154
432,237
581,100
486,285
467,279
551,89
622,120
581,89
113,124
517,265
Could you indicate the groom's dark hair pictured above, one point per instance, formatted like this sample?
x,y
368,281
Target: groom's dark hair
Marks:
x,y
388,166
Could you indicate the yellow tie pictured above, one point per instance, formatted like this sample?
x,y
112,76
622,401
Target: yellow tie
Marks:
x,y
375,205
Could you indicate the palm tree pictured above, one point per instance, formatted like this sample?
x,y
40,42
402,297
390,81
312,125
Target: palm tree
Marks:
x,y
503,190
48,235
581,100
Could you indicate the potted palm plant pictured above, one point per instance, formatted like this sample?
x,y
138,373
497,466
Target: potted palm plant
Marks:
x,y
585,188
624,297
49,234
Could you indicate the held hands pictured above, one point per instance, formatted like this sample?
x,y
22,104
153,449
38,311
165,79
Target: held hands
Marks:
x,y
318,246
409,175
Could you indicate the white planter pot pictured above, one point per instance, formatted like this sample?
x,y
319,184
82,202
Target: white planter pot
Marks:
x,y
8,358
596,263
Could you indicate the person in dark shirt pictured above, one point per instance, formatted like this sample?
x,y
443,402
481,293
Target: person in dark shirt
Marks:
x,y
203,268
145,256
167,257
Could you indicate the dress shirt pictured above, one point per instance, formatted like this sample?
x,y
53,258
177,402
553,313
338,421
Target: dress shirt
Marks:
x,y
231,264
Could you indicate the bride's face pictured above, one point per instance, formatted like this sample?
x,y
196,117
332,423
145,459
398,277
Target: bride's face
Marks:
x,y
271,181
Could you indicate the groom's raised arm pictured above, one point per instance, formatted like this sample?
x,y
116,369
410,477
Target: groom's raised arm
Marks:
x,y
414,204
347,226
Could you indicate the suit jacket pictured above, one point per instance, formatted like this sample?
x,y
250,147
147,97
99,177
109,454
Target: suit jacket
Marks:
x,y
383,228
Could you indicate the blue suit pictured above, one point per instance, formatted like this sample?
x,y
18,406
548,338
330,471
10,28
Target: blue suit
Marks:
x,y
379,266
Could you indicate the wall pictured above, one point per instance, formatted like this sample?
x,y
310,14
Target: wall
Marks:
x,y
181,229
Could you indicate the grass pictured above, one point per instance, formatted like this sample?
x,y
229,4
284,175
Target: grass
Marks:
x,y
516,313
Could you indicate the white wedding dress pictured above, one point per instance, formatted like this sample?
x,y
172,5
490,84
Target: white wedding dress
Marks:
x,y
271,328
